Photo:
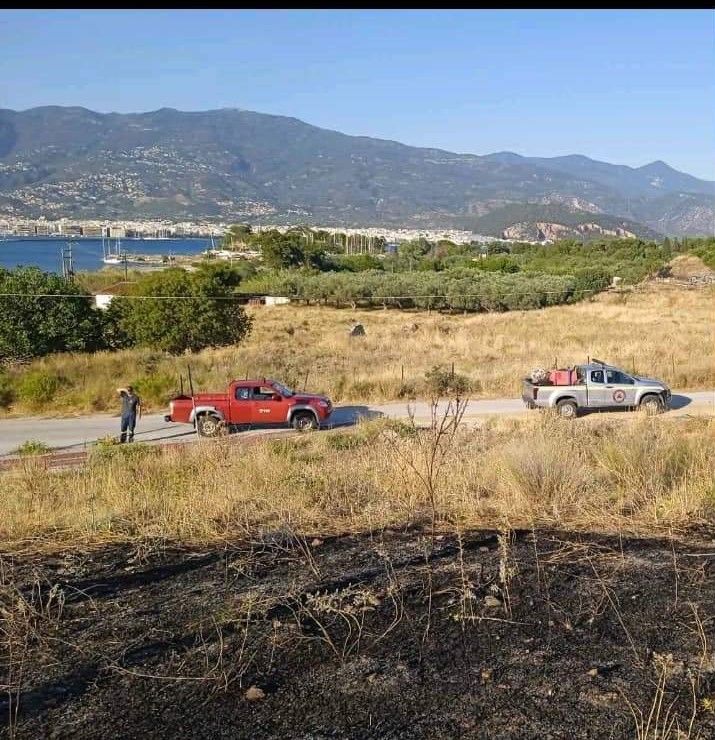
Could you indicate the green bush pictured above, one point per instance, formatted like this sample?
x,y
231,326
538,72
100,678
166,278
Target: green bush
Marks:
x,y
443,382
37,387
703,248
33,322
7,391
33,447
631,259
158,388
356,262
344,441
590,281
203,313
108,448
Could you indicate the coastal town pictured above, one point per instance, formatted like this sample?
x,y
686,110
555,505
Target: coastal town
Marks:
x,y
13,227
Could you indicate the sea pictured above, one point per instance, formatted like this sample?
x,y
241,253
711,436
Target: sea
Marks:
x,y
46,253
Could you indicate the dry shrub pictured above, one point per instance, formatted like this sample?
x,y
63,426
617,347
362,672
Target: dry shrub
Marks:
x,y
541,480
656,469
624,475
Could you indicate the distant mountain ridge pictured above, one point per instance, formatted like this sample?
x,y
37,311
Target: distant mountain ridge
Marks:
x,y
232,165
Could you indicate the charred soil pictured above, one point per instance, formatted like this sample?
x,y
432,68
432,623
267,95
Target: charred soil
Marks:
x,y
389,634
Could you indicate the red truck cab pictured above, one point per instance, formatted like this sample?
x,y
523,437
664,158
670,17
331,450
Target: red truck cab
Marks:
x,y
252,403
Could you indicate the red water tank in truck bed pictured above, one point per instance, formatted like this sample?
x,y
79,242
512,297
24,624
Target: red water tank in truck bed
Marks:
x,y
562,377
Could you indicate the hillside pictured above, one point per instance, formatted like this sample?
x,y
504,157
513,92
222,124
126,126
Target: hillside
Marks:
x,y
233,164
530,221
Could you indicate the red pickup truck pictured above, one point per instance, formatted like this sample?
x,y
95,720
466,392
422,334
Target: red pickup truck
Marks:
x,y
249,403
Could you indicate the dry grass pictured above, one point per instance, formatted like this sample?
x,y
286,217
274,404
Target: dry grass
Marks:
x,y
626,476
659,331
685,266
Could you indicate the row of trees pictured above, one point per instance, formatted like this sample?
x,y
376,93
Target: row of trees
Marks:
x,y
300,246
467,290
631,259
41,313
173,310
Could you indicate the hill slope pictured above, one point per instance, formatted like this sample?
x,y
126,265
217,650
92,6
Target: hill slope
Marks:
x,y
236,164
530,221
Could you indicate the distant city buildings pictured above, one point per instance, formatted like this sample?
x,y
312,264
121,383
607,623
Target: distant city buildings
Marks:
x,y
164,229
395,235
62,227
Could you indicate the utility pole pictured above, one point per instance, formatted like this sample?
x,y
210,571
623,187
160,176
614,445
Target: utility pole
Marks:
x,y
67,262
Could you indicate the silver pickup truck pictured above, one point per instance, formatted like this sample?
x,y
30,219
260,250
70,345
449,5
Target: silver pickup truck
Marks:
x,y
598,386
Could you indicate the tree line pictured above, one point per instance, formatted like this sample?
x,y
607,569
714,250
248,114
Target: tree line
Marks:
x,y
173,310
460,289
301,248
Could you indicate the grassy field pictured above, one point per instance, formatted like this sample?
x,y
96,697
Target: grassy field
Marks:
x,y
425,578
656,330
614,476
456,586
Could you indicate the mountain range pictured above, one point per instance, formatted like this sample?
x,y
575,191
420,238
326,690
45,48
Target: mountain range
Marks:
x,y
237,165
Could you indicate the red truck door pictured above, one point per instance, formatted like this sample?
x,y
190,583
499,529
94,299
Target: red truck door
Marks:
x,y
241,404
269,407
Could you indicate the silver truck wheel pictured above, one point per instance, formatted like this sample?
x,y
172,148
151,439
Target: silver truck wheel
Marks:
x,y
566,409
652,405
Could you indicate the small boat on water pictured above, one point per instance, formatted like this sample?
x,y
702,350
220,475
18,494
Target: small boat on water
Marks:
x,y
213,253
118,257
115,257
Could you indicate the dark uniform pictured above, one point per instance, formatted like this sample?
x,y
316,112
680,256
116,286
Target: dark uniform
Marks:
x,y
130,401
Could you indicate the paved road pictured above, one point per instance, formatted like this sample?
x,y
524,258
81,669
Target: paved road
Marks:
x,y
78,432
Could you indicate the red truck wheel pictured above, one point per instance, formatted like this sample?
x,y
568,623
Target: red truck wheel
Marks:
x,y
304,421
208,425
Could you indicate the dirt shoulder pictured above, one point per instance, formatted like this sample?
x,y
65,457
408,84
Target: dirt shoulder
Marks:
x,y
535,634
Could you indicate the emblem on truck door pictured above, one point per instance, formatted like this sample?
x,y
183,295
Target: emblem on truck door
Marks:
x,y
619,396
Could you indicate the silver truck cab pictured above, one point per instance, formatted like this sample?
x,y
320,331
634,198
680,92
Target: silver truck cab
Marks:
x,y
599,386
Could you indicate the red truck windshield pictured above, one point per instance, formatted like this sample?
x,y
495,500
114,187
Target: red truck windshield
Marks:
x,y
285,392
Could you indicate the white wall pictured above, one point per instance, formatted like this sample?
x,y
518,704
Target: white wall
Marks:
x,y
102,300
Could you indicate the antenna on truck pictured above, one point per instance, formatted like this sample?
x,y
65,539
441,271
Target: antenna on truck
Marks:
x,y
193,398
191,384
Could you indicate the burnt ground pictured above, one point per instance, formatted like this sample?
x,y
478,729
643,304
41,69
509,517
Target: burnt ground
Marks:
x,y
542,635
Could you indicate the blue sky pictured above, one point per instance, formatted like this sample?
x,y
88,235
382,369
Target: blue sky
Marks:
x,y
627,87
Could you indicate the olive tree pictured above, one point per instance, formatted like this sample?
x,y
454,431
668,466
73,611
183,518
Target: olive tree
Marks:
x,y
177,311
42,313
